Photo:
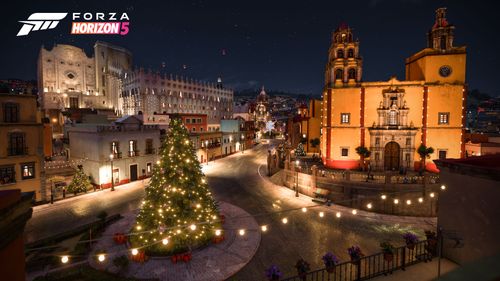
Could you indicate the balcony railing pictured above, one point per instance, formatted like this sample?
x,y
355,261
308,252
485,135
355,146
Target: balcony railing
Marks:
x,y
13,151
374,265
117,155
133,153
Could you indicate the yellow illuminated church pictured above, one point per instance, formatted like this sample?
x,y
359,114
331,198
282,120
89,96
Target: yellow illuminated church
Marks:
x,y
393,118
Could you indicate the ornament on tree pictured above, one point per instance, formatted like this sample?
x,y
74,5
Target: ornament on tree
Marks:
x,y
178,207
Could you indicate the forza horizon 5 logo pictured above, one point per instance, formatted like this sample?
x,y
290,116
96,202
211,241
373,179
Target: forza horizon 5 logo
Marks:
x,y
83,23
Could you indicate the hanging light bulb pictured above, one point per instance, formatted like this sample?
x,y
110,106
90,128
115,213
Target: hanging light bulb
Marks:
x,y
242,232
408,202
431,195
338,214
369,205
354,212
284,220
217,232
64,259
164,241
396,201
443,187
101,257
420,200
264,228
321,214
304,209
135,252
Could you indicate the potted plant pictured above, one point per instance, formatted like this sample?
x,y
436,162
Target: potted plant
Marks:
x,y
355,254
410,239
388,251
432,242
330,261
302,268
273,273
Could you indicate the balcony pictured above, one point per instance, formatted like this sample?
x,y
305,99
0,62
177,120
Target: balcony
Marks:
x,y
133,153
14,151
117,155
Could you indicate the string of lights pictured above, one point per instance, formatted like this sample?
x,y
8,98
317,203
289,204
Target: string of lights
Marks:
x,y
101,257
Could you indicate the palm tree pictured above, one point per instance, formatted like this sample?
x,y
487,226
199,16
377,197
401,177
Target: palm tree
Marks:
x,y
315,142
363,153
424,152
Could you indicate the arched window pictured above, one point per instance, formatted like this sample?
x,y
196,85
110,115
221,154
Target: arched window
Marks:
x,y
352,73
339,74
340,53
350,53
393,117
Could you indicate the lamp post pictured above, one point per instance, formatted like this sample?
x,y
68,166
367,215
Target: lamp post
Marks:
x,y
242,144
297,179
206,147
111,156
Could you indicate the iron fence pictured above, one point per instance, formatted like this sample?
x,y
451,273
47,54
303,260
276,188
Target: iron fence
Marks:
x,y
372,266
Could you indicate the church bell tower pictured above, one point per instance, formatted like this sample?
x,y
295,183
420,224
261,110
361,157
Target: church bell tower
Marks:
x,y
344,67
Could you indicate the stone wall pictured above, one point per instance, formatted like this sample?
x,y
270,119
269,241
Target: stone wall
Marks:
x,y
346,190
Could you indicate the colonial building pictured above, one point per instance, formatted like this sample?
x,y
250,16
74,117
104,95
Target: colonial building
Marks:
x,y
21,140
69,78
149,92
133,146
261,113
393,118
306,126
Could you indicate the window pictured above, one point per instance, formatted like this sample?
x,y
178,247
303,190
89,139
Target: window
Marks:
x,y
193,129
408,141
345,118
443,118
442,154
115,149
132,148
199,120
377,157
339,73
17,144
11,112
148,168
340,53
407,158
350,53
377,141
149,146
352,73
188,121
344,152
28,170
193,120
393,117
7,174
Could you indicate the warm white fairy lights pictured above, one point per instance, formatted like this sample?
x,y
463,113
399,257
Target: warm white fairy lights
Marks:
x,y
192,227
164,241
304,209
241,232
383,196
443,187
396,201
263,228
408,202
354,212
134,252
321,214
338,214
432,195
420,200
64,259
218,232
101,257
284,220
369,205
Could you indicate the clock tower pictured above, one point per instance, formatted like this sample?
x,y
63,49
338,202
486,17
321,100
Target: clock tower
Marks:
x,y
441,61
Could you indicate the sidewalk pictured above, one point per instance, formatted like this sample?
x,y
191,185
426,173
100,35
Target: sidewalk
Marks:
x,y
424,271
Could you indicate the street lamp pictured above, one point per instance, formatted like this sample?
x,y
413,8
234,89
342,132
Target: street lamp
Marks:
x,y
206,147
242,144
111,156
297,181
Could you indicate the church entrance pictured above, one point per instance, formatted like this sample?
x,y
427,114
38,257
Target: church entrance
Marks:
x,y
391,156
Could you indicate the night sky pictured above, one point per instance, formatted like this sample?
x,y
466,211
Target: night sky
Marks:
x,y
280,44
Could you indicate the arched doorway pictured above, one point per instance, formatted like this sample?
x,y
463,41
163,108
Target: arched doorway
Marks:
x,y
391,156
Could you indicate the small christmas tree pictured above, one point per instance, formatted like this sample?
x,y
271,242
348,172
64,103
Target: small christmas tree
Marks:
x,y
178,212
80,182
299,151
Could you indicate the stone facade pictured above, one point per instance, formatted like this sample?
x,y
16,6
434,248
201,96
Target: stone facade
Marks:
x,y
150,92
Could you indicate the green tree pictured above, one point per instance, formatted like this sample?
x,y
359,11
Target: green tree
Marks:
x,y
424,152
363,153
299,151
178,205
80,182
315,143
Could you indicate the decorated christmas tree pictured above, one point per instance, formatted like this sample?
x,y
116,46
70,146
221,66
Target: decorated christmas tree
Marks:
x,y
80,182
178,212
299,151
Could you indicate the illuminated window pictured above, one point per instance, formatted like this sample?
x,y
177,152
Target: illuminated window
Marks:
x,y
28,170
148,168
345,118
132,148
7,174
393,117
443,118
377,141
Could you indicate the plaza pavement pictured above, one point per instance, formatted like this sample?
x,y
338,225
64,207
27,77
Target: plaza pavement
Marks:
x,y
215,262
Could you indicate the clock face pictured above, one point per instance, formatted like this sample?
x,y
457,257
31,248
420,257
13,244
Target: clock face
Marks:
x,y
445,70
